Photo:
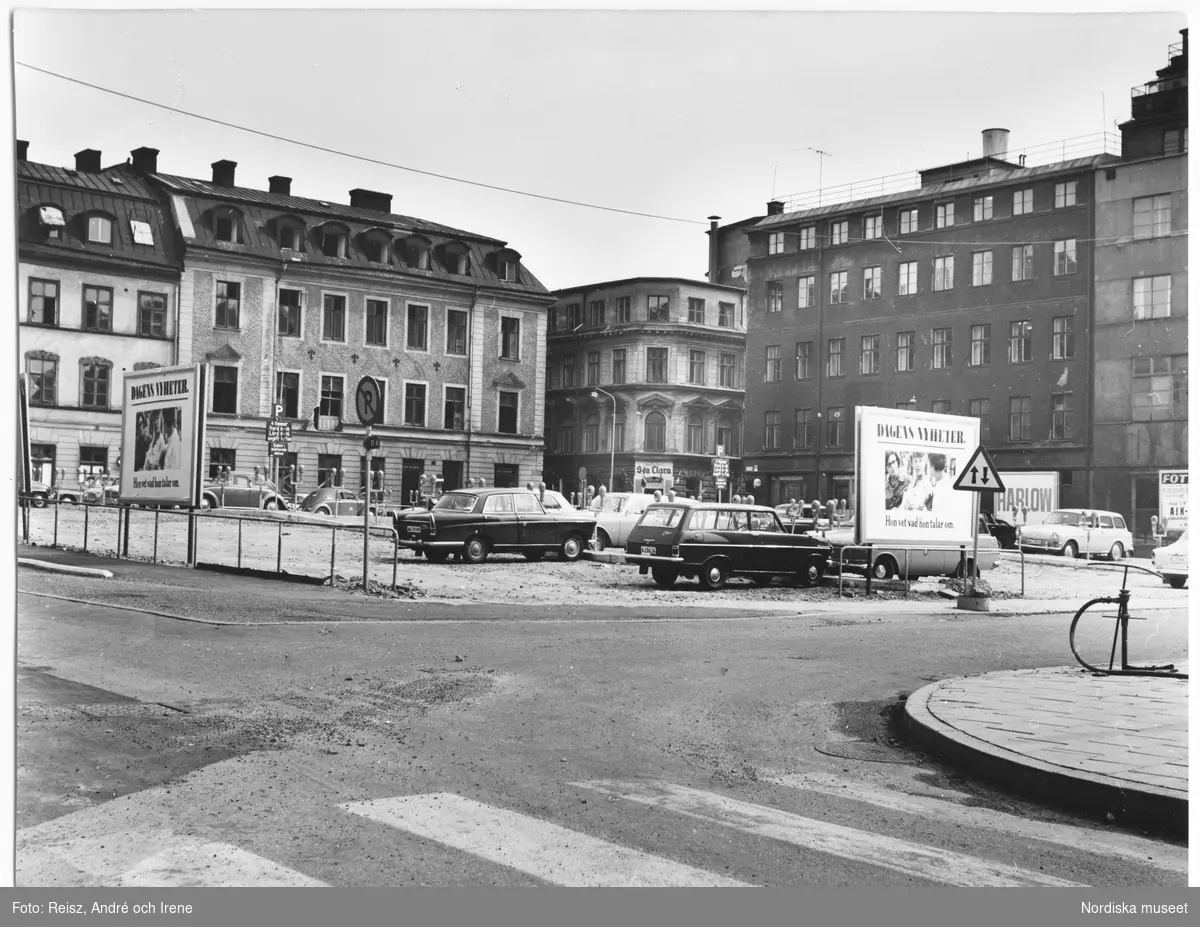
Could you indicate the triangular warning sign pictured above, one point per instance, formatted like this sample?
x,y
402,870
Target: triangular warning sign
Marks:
x,y
979,475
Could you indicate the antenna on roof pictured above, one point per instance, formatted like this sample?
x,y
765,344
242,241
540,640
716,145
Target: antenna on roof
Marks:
x,y
821,156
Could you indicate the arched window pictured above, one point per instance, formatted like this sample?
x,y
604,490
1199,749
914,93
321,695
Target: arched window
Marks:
x,y
416,251
332,239
376,246
656,432
695,434
726,435
290,232
455,254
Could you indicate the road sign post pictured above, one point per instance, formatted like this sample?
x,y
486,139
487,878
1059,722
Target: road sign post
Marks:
x,y
978,476
369,406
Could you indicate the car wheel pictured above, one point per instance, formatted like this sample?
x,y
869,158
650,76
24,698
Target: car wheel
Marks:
x,y
271,505
572,548
322,510
663,577
1070,549
602,540
437,556
883,568
533,555
38,501
811,574
475,550
1177,582
208,502
713,574
1117,551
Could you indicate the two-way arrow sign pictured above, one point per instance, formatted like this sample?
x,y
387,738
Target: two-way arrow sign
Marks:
x,y
979,475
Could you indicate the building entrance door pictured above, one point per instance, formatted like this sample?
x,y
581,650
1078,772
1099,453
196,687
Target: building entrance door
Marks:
x,y
1145,504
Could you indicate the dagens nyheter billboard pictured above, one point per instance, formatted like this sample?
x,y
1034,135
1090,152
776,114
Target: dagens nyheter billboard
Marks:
x,y
907,464
162,435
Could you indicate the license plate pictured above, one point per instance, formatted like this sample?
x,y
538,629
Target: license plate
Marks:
x,y
648,549
414,529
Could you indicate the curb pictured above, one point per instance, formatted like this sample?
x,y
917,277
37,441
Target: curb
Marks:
x,y
63,568
1142,807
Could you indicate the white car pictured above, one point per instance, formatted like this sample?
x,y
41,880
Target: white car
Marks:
x,y
1079,533
617,513
1172,561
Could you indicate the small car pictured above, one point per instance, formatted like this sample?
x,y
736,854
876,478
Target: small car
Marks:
x,y
891,562
798,518
1079,532
94,490
474,523
616,514
1003,530
332,500
242,491
39,493
713,541
1172,562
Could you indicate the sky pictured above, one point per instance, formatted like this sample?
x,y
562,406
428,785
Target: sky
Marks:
x,y
675,114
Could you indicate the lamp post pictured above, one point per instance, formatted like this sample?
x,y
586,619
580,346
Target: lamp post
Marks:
x,y
612,443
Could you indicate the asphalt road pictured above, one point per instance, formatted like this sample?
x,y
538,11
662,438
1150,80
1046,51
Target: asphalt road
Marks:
x,y
609,747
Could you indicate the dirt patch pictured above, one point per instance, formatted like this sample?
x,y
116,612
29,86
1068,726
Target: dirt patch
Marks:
x,y
375,589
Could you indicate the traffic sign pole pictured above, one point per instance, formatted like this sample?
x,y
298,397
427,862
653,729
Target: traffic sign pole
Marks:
x,y
367,513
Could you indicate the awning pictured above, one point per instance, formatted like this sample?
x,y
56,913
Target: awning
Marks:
x,y
50,215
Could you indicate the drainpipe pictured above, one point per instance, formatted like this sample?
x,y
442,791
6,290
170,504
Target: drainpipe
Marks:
x,y
1091,351
819,290
470,392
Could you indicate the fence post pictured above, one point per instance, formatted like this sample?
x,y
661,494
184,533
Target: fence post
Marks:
x,y
870,565
279,551
333,557
906,552
395,554
128,515
55,544
239,521
118,544
86,509
154,556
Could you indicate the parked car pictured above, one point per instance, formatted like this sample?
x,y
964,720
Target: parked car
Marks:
x,y
889,562
474,523
1003,530
39,493
96,490
332,500
241,491
1079,532
1172,561
556,502
798,517
617,513
713,541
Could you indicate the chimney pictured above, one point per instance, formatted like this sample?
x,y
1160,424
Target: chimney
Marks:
x,y
774,208
87,161
145,160
223,173
714,250
369,199
995,143
280,185
22,150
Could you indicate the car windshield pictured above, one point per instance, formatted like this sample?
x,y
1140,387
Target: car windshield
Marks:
x,y
662,516
612,504
456,502
1063,518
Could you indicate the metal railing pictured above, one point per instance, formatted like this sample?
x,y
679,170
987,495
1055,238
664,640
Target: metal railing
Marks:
x,y
907,551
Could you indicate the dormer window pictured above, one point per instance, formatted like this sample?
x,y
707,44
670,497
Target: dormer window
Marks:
x,y
507,264
376,247
100,230
142,234
289,238
333,241
417,252
51,219
456,258
227,226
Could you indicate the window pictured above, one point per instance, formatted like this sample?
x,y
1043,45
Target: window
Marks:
x,y
510,338
507,270
619,435
226,227
838,286
656,432
219,459
456,331
981,345
1022,262
287,393
618,365
1152,297
943,273
1062,416
1151,216
93,460
839,232
774,296
725,437
508,413
1174,141
908,221
567,438
375,250
454,416
1020,418
43,302
656,365
333,318
595,316
1160,388
695,434
944,215
804,360
290,313
771,429
908,405
331,397
43,380
908,279
1022,202
906,351
775,243
623,311
802,436
869,355
418,328
593,368
142,234
658,308
377,322
725,315
872,282
941,406
872,227
835,427
552,377
1064,194
981,409
1064,257
591,437
729,371
942,348
808,292
808,238
1020,342
982,208
1064,338
833,365
568,369
773,372
981,268
333,243
574,317
289,238
97,309
695,367
100,230
225,390
414,404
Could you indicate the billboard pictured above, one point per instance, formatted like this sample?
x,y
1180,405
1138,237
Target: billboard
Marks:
x,y
906,464
162,436
658,474
1172,495
1029,495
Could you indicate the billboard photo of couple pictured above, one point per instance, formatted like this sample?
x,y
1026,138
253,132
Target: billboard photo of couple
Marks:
x,y
916,481
157,445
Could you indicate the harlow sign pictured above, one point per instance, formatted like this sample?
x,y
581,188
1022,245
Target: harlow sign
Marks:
x,y
162,435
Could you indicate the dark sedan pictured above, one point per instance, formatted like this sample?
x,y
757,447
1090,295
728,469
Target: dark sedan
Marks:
x,y
477,522
1005,532
715,541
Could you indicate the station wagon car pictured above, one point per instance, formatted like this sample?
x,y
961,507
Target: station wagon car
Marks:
x,y
241,490
617,513
1079,532
713,541
477,522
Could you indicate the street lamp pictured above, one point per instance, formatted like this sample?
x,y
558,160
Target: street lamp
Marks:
x,y
612,443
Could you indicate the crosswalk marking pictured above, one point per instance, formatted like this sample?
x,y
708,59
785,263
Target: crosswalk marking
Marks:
x,y
931,863
210,864
537,848
1162,856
